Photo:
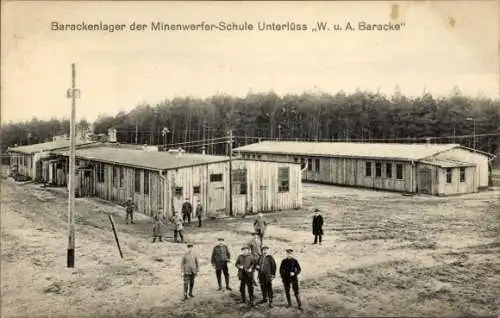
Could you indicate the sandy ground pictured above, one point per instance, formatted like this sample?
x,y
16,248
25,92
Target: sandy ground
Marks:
x,y
384,254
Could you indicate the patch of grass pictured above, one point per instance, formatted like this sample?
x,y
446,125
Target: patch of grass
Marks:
x,y
418,245
488,248
370,236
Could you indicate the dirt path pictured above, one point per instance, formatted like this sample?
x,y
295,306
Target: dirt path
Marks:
x,y
428,256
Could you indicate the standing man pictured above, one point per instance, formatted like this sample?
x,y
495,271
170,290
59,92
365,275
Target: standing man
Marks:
x,y
289,270
158,223
267,272
259,226
178,226
129,209
187,209
220,258
246,266
189,269
317,225
255,250
199,212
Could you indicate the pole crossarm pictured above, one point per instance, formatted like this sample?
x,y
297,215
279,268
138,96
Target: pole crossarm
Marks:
x,y
73,93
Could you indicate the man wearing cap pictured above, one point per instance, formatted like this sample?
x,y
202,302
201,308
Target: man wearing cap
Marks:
x,y
317,226
129,209
246,265
187,209
189,269
267,272
289,270
255,250
220,258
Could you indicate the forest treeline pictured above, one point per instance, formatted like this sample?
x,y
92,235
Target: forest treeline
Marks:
x,y
360,116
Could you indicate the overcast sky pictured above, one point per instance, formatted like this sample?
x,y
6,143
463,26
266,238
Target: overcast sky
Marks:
x,y
442,44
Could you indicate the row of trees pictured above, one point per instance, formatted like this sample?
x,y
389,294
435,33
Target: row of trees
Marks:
x,y
361,116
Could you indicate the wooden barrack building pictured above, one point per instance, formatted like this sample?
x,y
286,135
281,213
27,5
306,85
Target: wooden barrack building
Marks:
x,y
437,169
28,160
159,182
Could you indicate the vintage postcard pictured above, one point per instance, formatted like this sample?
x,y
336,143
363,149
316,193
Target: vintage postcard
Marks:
x,y
250,158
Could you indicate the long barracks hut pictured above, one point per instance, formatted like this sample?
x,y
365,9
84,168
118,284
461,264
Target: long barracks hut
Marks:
x,y
437,169
28,160
160,182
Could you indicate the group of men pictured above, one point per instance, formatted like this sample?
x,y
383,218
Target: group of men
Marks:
x,y
256,266
160,221
186,211
264,265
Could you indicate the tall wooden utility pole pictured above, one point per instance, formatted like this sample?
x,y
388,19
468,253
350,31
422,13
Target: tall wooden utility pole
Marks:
x,y
204,146
230,144
136,133
164,133
72,93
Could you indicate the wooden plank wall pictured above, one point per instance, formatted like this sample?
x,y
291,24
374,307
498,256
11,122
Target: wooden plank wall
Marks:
x,y
351,172
481,162
62,168
262,188
24,163
149,204
434,174
406,184
198,176
45,170
457,187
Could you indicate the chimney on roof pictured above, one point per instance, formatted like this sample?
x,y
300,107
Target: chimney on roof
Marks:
x,y
428,141
111,135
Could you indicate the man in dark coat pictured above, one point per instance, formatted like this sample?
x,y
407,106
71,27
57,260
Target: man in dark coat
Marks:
x,y
289,270
317,225
255,250
220,257
267,272
246,266
187,209
199,212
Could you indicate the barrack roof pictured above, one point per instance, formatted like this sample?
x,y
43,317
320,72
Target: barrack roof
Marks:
x,y
153,160
446,163
395,151
49,146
